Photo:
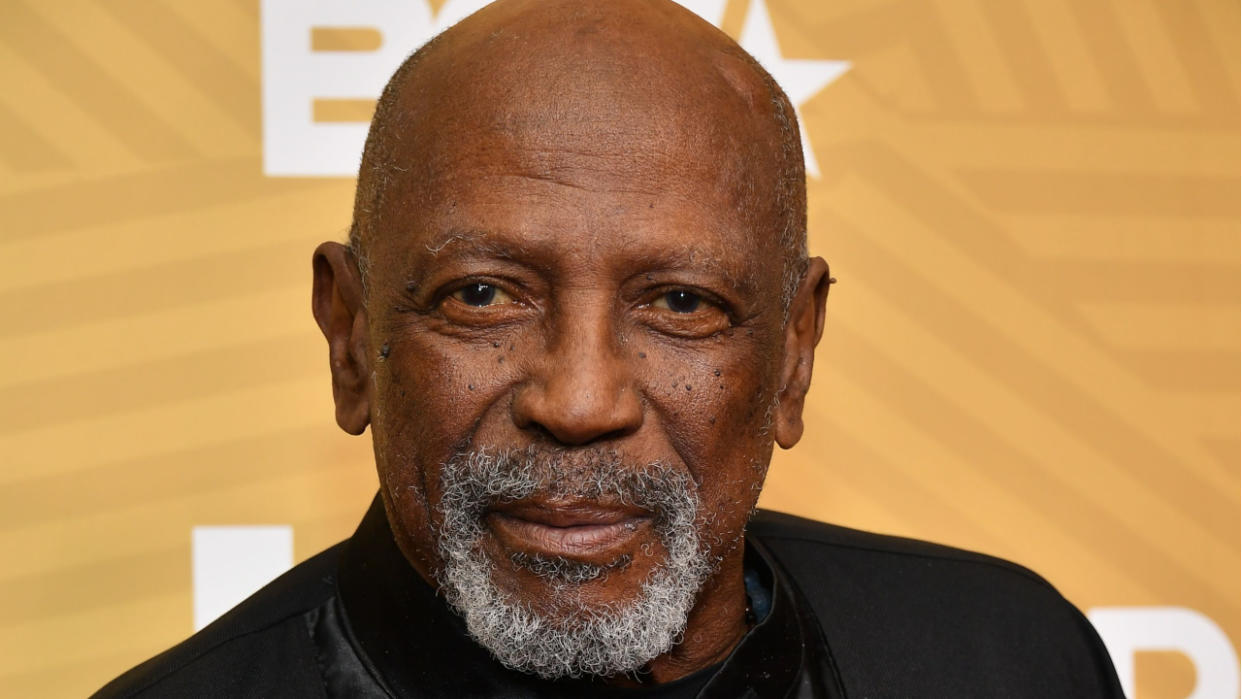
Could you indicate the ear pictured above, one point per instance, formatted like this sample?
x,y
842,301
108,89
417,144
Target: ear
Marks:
x,y
336,301
802,333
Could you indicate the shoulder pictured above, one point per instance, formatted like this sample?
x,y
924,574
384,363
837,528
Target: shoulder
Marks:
x,y
881,574
901,613
262,647
877,552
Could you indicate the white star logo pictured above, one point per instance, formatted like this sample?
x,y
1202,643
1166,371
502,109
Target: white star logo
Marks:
x,y
800,79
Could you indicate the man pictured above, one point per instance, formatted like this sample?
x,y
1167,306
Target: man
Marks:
x,y
577,312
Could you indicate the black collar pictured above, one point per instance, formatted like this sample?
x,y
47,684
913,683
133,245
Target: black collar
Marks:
x,y
416,645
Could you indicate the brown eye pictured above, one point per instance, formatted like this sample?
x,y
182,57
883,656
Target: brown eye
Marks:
x,y
481,294
685,312
680,301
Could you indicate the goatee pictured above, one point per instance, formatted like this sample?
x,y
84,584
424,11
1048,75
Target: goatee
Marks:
x,y
570,637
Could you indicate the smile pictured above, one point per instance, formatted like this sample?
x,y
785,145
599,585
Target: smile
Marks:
x,y
572,530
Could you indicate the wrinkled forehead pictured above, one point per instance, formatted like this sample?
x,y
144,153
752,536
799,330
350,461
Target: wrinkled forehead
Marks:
x,y
647,102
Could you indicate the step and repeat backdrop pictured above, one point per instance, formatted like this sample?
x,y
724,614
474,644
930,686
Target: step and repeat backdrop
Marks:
x,y
1032,207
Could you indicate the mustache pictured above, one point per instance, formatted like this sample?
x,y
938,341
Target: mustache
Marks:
x,y
474,480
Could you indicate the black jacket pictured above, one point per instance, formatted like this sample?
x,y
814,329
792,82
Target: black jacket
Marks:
x,y
852,614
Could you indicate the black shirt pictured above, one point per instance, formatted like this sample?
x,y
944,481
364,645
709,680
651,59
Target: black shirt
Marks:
x,y
850,614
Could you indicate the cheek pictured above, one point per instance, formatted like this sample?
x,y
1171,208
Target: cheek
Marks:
x,y
433,391
714,405
716,386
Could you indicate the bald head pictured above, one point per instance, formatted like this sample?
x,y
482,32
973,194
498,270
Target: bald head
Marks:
x,y
630,85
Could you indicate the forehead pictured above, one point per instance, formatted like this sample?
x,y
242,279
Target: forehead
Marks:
x,y
591,136
619,128
613,193
597,123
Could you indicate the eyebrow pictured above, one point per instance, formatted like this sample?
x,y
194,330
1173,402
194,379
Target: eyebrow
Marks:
x,y
511,247
484,241
476,243
690,257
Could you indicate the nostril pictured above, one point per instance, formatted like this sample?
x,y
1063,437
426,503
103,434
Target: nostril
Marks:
x,y
540,433
615,434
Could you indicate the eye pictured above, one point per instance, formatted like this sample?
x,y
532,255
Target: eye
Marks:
x,y
679,301
480,294
687,313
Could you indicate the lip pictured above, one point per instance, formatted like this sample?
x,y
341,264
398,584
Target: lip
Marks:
x,y
580,530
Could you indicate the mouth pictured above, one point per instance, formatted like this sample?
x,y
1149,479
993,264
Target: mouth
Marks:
x,y
571,529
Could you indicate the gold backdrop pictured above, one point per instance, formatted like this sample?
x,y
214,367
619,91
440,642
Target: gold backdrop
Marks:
x,y
1032,207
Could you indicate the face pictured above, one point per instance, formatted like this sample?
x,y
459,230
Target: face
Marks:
x,y
573,346
623,315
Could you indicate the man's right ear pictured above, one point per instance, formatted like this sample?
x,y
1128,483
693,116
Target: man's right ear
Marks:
x,y
336,301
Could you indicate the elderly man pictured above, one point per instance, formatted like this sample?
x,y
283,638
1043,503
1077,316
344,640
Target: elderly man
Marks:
x,y
577,312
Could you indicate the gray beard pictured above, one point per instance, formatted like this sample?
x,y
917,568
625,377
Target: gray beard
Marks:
x,y
575,637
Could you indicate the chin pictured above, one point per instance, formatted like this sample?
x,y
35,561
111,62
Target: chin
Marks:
x,y
564,572
568,588
562,626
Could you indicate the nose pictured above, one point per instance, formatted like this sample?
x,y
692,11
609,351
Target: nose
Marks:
x,y
582,389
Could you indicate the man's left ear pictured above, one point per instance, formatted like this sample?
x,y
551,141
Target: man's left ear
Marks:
x,y
802,333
